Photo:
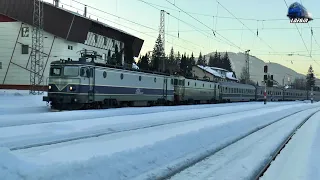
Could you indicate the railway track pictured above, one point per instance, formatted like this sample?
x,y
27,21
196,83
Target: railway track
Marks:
x,y
281,147
260,172
23,144
21,119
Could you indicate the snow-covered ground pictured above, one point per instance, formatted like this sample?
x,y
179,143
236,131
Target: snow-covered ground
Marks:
x,y
126,143
244,159
300,159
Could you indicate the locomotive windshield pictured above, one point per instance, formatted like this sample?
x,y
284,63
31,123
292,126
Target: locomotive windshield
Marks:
x,y
71,71
55,71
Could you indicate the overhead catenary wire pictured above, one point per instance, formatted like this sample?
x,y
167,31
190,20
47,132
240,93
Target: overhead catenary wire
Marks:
x,y
245,25
230,42
194,27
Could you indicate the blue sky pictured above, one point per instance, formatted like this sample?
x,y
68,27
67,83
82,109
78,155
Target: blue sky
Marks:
x,y
276,36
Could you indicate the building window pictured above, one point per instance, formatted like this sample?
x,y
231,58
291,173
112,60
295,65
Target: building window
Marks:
x,y
25,49
109,53
0,65
113,43
70,47
104,56
105,41
25,32
95,38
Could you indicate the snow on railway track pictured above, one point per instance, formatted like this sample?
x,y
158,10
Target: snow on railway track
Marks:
x,y
299,159
248,157
155,151
48,117
27,136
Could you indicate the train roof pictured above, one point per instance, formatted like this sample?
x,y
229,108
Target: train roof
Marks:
x,y
71,62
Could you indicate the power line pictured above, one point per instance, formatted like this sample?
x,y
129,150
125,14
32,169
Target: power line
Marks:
x,y
231,43
133,23
206,35
245,25
222,17
204,30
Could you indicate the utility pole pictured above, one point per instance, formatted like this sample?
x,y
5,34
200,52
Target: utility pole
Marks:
x,y
36,64
247,66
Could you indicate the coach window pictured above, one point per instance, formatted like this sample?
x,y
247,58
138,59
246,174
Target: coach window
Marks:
x,y
171,81
155,80
121,76
95,38
188,83
195,84
25,49
203,85
139,78
175,82
104,74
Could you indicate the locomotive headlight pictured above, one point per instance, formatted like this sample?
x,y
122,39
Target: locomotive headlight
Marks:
x,y
71,88
49,87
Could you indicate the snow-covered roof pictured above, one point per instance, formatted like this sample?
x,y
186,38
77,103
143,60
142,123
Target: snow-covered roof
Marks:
x,y
134,66
210,70
230,76
216,68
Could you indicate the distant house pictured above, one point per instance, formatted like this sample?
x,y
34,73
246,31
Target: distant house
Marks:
x,y
213,74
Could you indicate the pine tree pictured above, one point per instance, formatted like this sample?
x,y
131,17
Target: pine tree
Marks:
x,y
192,60
216,60
226,62
144,62
200,60
188,73
310,78
171,58
211,61
204,61
158,55
183,65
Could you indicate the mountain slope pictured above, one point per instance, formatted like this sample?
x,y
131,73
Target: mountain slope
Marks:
x,y
280,72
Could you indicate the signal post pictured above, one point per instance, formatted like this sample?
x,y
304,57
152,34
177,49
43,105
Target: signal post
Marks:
x,y
265,79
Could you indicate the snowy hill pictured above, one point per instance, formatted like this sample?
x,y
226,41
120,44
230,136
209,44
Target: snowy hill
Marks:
x,y
256,68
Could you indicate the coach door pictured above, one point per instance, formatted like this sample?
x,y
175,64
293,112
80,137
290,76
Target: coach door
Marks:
x,y
165,88
91,91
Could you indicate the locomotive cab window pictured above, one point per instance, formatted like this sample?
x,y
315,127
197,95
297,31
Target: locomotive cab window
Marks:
x,y
83,72
71,71
55,71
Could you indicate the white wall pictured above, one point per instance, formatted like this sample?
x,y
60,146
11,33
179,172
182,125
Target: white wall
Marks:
x,y
9,32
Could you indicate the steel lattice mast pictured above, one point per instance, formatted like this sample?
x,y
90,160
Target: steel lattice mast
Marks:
x,y
36,68
162,33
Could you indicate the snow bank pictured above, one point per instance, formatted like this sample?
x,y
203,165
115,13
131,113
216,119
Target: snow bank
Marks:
x,y
153,157
10,99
